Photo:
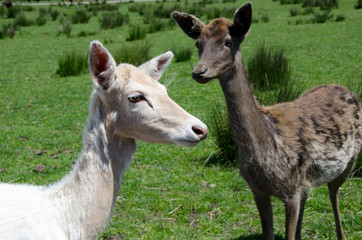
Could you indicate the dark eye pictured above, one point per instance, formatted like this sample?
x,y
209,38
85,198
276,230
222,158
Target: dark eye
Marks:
x,y
228,43
136,98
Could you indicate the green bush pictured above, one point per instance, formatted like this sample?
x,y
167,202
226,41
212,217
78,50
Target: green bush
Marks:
x,y
268,67
113,20
219,125
136,32
358,5
81,16
13,11
40,21
54,15
322,4
65,28
182,54
340,18
135,53
155,24
284,2
270,76
72,64
321,17
22,20
7,30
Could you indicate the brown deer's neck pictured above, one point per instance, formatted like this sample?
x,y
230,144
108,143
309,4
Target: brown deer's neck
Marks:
x,y
251,131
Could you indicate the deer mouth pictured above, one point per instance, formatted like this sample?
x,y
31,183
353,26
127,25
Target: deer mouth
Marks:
x,y
201,76
187,143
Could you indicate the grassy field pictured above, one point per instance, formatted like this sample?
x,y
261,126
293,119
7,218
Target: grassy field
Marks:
x,y
168,192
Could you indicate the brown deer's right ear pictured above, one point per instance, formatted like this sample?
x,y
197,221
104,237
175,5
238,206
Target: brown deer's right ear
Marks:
x,y
190,24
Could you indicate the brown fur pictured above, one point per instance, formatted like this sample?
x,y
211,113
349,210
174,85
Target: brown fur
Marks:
x,y
287,148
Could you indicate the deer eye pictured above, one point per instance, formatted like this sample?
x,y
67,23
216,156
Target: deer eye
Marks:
x,y
136,98
229,43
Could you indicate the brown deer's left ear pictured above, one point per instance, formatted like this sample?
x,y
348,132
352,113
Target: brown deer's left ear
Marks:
x,y
190,24
242,21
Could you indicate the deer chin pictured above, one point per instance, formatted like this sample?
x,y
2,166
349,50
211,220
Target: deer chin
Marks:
x,y
186,143
203,80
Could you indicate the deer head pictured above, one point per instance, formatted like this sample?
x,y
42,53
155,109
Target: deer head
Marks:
x,y
135,105
218,42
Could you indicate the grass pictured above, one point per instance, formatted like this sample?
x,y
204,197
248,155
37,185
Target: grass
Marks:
x,y
167,191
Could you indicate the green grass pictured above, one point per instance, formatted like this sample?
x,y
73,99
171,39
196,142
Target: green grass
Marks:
x,y
167,193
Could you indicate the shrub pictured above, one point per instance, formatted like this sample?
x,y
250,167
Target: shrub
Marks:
x,y
182,54
285,92
359,4
268,67
340,18
264,17
212,12
40,21
323,4
358,168
22,20
13,11
43,12
136,32
321,17
136,53
8,30
220,126
113,20
54,15
155,24
65,28
284,2
294,12
72,64
81,16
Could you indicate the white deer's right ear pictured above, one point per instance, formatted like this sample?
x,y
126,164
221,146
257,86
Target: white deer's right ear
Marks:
x,y
101,64
157,65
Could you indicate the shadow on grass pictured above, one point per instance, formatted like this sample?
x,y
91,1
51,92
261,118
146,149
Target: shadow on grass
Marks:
x,y
255,237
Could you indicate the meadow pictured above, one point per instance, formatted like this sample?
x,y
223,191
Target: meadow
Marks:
x,y
168,192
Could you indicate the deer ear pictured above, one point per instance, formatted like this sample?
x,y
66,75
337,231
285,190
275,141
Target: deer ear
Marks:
x,y
157,65
101,64
190,24
242,21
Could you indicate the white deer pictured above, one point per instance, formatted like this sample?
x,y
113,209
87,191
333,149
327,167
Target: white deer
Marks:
x,y
127,103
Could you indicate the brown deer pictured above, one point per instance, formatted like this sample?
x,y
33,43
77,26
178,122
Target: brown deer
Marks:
x,y
284,149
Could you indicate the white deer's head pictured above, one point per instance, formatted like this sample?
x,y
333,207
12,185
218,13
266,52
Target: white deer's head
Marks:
x,y
136,105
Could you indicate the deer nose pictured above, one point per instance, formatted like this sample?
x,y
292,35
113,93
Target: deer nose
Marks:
x,y
200,132
198,74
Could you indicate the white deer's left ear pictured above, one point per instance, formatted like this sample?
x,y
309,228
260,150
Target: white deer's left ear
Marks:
x,y
157,65
101,64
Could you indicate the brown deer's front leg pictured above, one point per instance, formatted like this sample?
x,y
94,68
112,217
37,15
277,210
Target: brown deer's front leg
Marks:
x,y
264,206
298,234
292,206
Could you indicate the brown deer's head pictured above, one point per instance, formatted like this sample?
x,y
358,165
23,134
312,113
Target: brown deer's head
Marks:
x,y
218,42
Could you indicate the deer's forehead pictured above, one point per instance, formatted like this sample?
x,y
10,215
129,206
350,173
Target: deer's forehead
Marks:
x,y
216,29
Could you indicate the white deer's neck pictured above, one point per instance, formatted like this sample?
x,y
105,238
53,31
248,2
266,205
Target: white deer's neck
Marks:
x,y
87,195
247,122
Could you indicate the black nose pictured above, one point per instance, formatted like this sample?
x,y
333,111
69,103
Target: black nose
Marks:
x,y
202,133
199,74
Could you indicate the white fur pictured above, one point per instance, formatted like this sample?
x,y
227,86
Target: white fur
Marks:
x,y
79,206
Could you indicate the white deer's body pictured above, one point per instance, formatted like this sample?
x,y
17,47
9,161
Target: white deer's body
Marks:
x,y
126,105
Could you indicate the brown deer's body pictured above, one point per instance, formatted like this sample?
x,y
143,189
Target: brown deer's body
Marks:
x,y
283,149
